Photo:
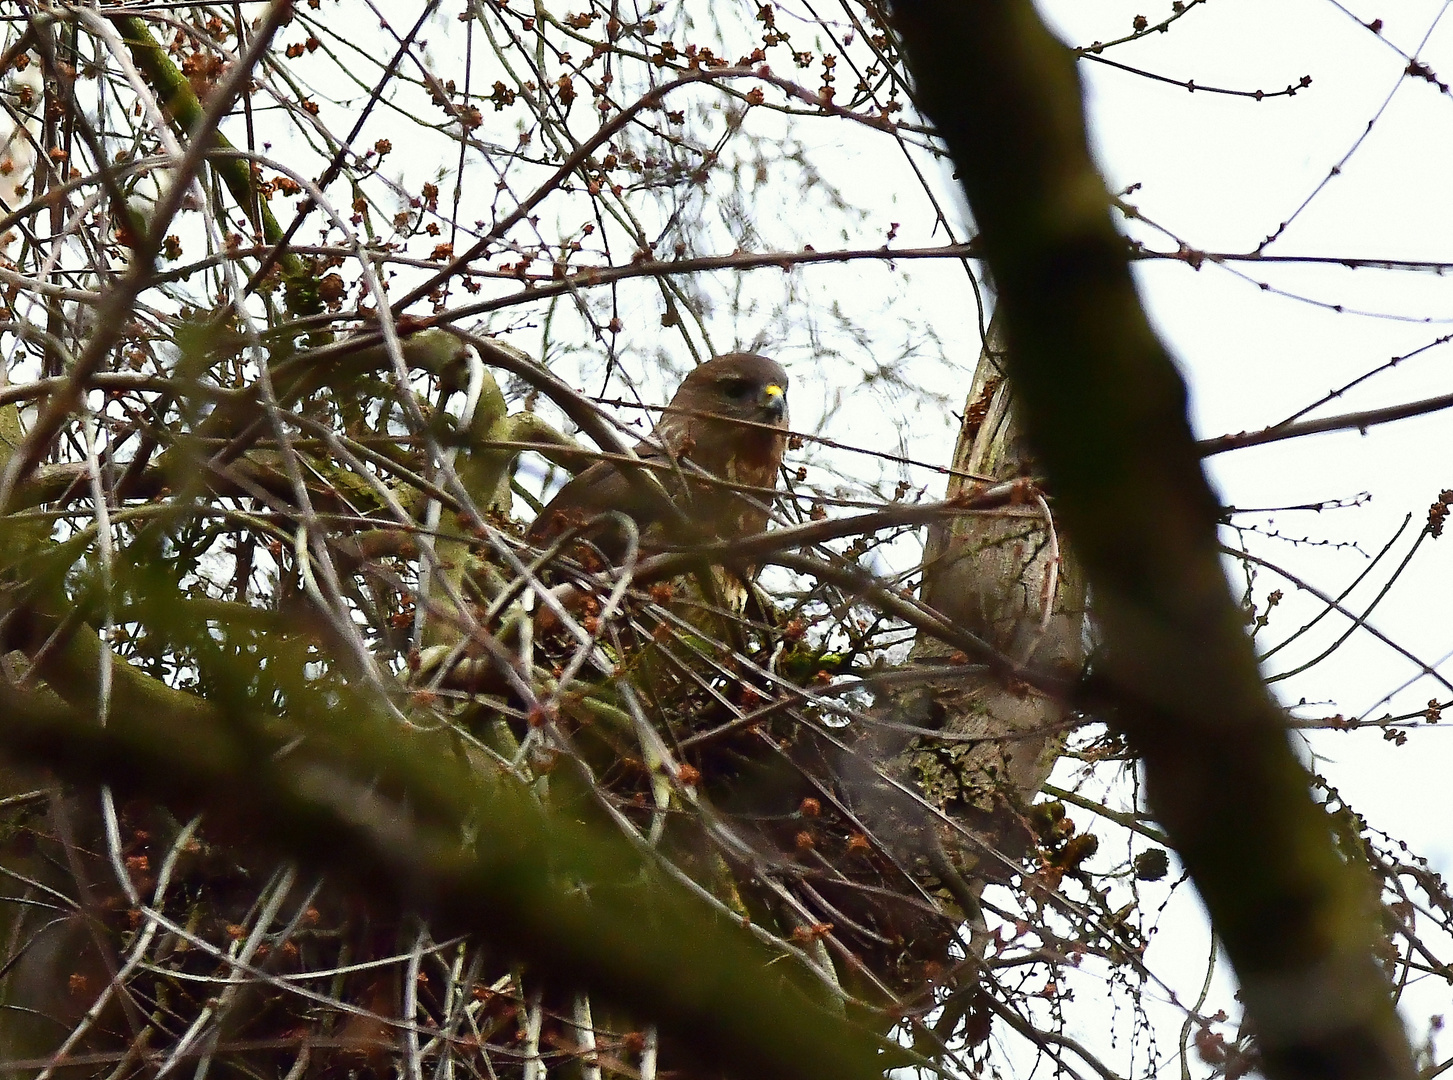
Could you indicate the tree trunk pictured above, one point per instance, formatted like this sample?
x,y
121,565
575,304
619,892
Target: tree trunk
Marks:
x,y
1008,577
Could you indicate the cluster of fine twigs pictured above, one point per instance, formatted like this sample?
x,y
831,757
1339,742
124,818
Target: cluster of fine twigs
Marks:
x,y
278,405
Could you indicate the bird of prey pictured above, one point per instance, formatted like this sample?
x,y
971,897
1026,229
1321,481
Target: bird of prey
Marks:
x,y
728,419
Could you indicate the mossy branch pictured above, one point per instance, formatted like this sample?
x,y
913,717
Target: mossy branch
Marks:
x,y
181,105
484,467
342,787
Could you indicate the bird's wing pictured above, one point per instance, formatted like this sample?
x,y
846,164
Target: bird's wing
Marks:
x,y
601,487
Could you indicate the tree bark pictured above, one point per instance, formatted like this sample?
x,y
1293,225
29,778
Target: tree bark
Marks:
x,y
1011,580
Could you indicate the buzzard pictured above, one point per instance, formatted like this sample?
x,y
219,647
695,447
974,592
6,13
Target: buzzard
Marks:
x,y
728,419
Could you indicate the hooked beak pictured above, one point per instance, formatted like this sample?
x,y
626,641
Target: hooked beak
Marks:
x,y
774,401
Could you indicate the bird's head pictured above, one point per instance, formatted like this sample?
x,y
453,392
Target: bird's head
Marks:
x,y
740,386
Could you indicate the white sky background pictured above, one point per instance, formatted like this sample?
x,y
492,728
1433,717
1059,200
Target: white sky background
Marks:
x,y
1222,173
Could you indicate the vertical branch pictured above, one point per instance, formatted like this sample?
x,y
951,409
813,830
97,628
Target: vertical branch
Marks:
x,y
1010,580
186,112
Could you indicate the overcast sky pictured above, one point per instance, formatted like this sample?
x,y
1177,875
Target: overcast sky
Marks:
x,y
1222,173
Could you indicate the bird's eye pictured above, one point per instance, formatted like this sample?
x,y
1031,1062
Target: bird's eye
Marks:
x,y
736,388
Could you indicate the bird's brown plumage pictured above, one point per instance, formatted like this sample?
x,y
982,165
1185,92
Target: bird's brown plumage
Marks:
x,y
728,419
